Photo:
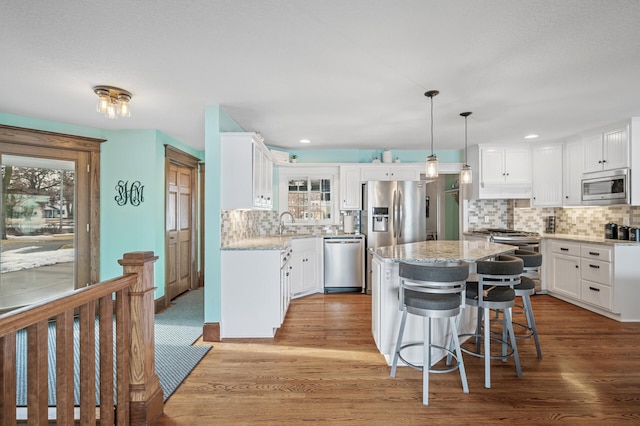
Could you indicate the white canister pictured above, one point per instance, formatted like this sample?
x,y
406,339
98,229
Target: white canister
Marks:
x,y
348,224
387,156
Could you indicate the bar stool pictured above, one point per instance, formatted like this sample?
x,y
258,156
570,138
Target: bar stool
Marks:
x,y
493,291
532,263
432,290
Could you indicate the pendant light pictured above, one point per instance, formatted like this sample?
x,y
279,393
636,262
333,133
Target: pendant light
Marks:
x,y
465,173
432,160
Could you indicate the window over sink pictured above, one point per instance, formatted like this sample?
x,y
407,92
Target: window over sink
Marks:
x,y
309,199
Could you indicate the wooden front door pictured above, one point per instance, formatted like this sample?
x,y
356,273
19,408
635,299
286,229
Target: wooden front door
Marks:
x,y
181,235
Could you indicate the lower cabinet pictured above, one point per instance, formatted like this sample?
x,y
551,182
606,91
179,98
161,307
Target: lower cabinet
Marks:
x,y
305,263
251,293
599,277
565,269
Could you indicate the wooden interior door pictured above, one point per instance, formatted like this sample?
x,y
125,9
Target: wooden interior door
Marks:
x,y
180,230
181,223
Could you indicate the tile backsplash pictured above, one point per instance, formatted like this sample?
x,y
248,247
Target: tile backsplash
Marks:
x,y
238,225
588,221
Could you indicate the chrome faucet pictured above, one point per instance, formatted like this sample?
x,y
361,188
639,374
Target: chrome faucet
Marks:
x,y
282,221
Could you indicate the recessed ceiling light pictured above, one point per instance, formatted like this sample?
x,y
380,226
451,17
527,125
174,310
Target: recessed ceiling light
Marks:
x,y
305,141
531,136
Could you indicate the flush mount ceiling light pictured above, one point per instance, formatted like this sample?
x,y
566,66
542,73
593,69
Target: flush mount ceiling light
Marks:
x,y
432,160
532,136
113,102
465,173
305,141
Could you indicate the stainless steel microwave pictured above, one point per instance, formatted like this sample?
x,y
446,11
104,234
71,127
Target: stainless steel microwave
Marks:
x,y
608,187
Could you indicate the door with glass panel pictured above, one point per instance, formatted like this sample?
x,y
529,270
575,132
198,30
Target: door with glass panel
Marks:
x,y
38,250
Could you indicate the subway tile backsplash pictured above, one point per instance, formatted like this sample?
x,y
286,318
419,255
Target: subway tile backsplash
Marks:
x,y
588,221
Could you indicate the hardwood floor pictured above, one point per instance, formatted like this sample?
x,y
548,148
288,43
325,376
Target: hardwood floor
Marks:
x,y
323,367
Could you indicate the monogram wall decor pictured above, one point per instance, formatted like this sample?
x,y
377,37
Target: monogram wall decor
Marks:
x,y
133,194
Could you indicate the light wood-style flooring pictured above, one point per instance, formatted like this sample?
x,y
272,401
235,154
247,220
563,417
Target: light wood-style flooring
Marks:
x,y
323,367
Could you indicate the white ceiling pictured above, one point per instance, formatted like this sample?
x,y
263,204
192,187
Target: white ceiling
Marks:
x,y
343,73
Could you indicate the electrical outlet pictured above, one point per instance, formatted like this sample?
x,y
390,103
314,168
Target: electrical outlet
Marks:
x,y
486,219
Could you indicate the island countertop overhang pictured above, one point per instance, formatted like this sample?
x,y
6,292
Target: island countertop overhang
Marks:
x,y
442,251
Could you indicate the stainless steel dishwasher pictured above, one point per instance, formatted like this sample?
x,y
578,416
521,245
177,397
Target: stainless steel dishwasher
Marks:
x,y
343,264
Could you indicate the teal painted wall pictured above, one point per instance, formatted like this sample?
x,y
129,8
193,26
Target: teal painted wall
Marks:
x,y
216,120
367,155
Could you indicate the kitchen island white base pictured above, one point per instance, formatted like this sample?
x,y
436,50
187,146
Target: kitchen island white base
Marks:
x,y
385,282
386,317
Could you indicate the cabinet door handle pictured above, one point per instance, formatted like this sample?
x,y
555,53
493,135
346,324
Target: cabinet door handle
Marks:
x,y
577,266
564,249
600,162
594,266
593,253
594,289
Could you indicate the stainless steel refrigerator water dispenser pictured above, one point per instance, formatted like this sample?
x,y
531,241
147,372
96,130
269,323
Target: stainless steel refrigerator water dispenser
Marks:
x,y
380,218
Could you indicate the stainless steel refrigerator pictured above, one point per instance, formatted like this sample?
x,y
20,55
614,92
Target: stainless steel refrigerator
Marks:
x,y
394,212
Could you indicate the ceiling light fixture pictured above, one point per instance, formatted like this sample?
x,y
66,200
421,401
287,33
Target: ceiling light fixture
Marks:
x,y
112,101
305,141
465,173
432,160
531,136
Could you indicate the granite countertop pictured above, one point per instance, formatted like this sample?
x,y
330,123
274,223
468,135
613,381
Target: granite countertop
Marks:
x,y
590,239
442,251
278,242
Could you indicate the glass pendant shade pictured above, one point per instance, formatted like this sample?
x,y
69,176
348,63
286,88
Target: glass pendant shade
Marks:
x,y
465,174
431,170
103,101
123,106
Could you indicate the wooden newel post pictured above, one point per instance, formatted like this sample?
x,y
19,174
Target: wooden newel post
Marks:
x,y
145,394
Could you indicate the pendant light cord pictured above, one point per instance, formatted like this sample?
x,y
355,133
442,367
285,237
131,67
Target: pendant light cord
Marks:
x,y
465,140
432,125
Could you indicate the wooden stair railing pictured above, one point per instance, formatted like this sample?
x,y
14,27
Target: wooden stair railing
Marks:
x,y
137,388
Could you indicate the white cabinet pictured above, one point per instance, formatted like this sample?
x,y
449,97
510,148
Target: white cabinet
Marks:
x,y
305,262
600,277
285,281
505,166
546,189
572,172
250,292
390,172
350,188
502,171
246,172
606,150
565,268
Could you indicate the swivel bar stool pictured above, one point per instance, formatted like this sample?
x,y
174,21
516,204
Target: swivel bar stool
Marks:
x,y
493,291
532,263
432,290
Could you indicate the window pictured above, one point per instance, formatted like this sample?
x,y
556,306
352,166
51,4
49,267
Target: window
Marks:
x,y
309,199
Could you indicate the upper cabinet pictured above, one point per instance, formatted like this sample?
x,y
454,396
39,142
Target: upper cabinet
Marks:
x,y
546,189
390,172
502,171
350,188
606,150
572,172
246,172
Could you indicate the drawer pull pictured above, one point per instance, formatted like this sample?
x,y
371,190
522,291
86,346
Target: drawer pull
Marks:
x,y
593,253
564,249
594,289
594,266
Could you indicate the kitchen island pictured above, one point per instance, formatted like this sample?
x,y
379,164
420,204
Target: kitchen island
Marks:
x,y
385,313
